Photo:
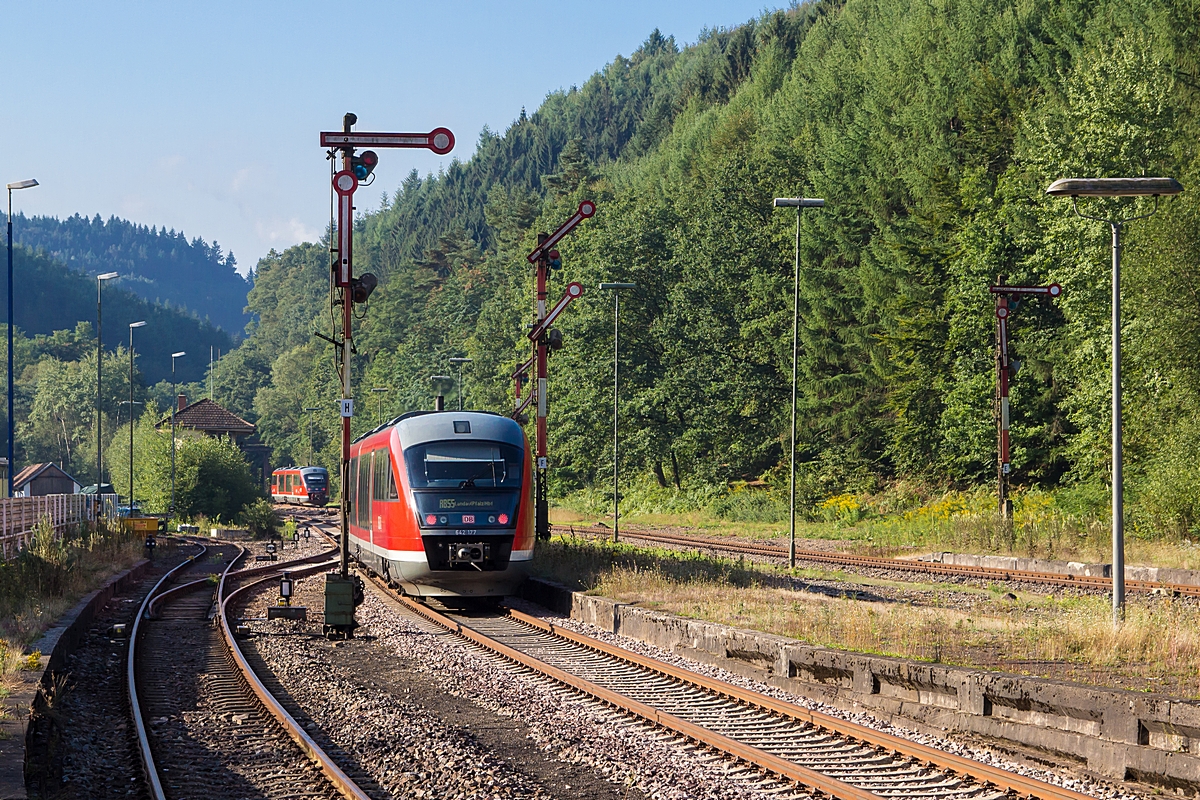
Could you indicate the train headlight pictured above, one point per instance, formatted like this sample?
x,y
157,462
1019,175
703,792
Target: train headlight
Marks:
x,y
430,519
492,519
503,519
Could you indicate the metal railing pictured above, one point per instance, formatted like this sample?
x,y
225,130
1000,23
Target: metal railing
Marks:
x,y
19,516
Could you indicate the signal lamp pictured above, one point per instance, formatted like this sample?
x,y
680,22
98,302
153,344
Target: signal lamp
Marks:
x,y
362,286
285,586
364,164
554,259
430,519
554,339
502,519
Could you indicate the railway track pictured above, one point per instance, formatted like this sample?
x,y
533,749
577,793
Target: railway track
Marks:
x,y
207,724
1086,582
820,753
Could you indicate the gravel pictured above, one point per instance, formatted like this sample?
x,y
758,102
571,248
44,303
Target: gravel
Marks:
x,y
1086,785
411,749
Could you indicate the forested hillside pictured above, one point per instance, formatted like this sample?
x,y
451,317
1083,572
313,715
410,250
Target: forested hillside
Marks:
x,y
55,355
931,132
157,265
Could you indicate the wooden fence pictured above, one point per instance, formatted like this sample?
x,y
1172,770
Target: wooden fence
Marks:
x,y
20,515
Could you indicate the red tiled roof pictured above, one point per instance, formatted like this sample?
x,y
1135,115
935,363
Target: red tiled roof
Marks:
x,y
205,415
33,470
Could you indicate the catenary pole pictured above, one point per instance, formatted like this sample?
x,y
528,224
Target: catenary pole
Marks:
x,y
100,279
1074,188
27,184
797,203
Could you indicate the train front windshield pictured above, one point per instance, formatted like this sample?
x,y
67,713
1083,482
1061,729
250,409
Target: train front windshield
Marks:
x,y
315,480
464,465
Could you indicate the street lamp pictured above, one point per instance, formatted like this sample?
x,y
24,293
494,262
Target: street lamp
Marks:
x,y
309,410
29,184
440,383
100,279
460,361
1116,187
132,325
379,390
797,203
174,405
616,289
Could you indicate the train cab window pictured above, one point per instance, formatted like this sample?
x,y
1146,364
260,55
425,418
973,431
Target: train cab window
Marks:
x,y
383,483
462,465
364,491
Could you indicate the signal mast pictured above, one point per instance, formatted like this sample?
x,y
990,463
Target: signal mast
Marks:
x,y
342,592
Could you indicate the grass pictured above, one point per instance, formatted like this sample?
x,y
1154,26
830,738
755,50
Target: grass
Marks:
x,y
1062,637
49,577
901,520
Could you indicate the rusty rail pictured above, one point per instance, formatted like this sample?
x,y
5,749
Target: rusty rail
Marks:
x,y
342,782
948,762
1091,582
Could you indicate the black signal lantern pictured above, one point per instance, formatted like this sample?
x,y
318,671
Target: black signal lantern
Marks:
x,y
554,339
286,586
554,259
364,164
362,286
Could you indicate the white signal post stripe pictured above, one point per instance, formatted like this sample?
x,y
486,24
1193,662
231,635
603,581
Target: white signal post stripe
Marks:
x,y
573,291
344,183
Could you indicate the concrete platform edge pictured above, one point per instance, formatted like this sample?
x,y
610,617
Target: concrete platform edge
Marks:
x,y
55,645
1123,735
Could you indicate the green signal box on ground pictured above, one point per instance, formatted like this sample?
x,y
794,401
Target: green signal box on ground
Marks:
x,y
342,596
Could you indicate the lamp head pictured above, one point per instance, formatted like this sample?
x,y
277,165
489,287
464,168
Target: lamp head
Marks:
x,y
180,354
618,286
29,184
799,202
1114,187
138,324
460,360
104,276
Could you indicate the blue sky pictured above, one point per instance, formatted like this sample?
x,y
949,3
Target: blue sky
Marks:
x,y
204,116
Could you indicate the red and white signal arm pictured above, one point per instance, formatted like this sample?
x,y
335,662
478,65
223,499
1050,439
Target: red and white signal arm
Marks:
x,y
439,140
585,211
344,183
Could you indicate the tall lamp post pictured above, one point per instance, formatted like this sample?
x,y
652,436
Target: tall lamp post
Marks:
x,y
174,406
459,360
132,325
1116,187
616,289
309,410
29,184
379,391
100,279
797,203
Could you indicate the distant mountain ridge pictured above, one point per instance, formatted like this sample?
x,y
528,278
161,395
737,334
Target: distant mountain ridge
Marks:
x,y
157,264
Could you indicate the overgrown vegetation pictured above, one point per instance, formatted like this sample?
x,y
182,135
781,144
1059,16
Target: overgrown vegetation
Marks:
x,y
1066,637
932,133
49,576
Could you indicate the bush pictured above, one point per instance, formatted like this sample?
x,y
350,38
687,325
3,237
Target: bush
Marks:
x,y
261,518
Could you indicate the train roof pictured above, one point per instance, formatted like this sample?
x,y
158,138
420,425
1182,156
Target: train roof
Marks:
x,y
417,427
302,470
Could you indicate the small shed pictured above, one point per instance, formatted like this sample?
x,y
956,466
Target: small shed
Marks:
x,y
37,480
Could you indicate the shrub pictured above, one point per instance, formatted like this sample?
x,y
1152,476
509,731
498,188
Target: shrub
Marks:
x,y
261,518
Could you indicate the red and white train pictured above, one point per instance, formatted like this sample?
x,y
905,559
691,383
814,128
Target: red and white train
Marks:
x,y
441,504
304,485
